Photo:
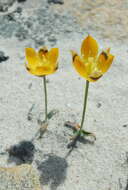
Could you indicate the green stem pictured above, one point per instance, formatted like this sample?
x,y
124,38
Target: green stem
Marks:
x,y
45,93
85,104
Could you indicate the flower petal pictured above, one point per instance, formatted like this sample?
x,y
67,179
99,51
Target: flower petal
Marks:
x,y
53,56
79,65
104,61
89,47
41,71
31,57
48,58
85,69
95,76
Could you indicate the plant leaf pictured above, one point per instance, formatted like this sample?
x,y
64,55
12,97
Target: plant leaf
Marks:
x,y
86,133
52,113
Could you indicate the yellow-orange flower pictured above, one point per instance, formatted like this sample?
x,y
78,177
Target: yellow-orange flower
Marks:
x,y
43,62
89,65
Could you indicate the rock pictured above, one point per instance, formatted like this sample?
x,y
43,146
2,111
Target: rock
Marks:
x,y
39,42
99,105
56,1
5,4
125,125
46,26
10,17
20,1
18,10
19,177
3,57
52,39
22,33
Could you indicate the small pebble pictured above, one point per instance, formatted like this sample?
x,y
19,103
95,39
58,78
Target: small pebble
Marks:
x,y
29,86
20,1
19,10
56,1
125,125
99,105
3,57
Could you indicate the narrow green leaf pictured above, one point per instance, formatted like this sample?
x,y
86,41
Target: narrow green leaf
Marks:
x,y
86,133
52,113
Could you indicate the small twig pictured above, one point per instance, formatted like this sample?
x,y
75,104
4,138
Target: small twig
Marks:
x,y
72,145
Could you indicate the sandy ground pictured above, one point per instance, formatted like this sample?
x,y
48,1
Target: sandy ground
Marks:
x,y
102,165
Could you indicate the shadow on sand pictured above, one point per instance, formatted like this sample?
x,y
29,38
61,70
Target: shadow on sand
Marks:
x,y
53,171
21,153
73,144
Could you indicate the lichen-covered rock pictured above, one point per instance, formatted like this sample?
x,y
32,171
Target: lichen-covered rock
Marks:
x,y
5,4
19,177
56,1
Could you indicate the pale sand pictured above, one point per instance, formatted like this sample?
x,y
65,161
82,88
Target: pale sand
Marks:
x,y
102,165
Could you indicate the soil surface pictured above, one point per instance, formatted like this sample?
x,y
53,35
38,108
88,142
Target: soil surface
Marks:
x,y
64,24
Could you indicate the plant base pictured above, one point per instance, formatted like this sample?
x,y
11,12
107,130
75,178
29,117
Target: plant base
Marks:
x,y
78,132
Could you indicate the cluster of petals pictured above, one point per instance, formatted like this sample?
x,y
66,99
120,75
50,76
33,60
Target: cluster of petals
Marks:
x,y
90,65
43,62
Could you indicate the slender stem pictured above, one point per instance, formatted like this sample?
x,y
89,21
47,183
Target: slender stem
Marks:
x,y
85,104
45,93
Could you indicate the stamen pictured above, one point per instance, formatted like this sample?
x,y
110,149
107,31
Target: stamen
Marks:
x,y
105,55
